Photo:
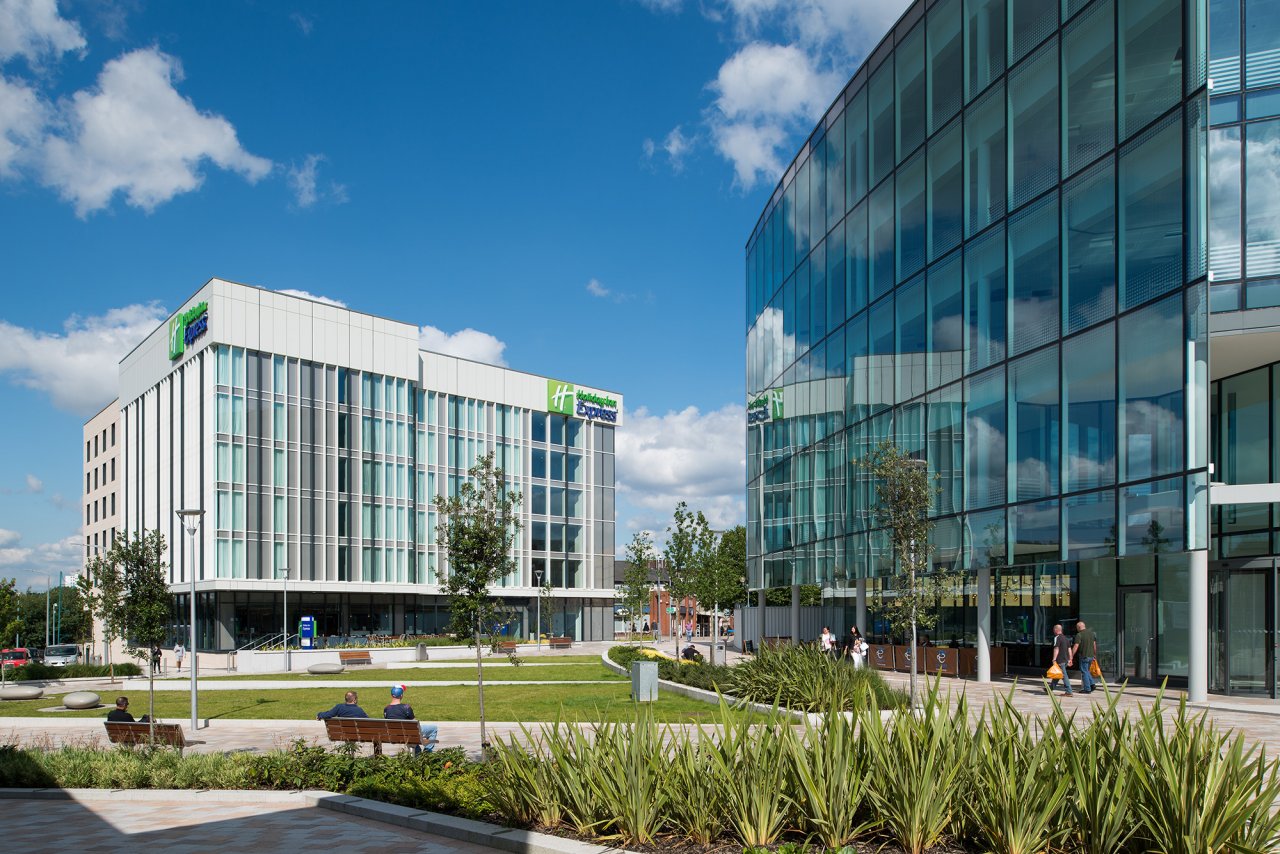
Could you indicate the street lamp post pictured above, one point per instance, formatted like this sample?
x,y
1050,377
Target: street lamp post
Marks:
x,y
283,572
537,582
191,524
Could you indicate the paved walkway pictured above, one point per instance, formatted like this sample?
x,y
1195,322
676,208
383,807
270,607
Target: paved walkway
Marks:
x,y
204,821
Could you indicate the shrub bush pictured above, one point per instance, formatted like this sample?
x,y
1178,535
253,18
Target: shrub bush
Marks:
x,y
804,678
38,671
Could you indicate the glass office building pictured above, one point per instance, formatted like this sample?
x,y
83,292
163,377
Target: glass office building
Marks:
x,y
316,439
1037,244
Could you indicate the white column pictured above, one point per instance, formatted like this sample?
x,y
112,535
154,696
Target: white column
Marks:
x,y
795,613
860,610
1198,634
984,624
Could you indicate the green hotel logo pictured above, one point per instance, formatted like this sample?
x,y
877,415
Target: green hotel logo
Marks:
x,y
187,326
559,397
766,407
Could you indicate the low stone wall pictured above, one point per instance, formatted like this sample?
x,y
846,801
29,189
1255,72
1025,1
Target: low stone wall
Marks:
x,y
260,661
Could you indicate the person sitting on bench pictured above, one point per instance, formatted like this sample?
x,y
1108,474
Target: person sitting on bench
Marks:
x,y
347,709
120,714
398,710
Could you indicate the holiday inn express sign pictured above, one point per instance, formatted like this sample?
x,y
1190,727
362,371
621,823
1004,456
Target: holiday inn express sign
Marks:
x,y
187,326
566,399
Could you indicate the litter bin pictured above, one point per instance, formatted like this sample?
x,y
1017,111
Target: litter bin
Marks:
x,y
422,652
644,681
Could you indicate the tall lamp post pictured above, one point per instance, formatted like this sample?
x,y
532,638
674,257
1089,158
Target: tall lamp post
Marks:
x,y
283,572
537,582
191,523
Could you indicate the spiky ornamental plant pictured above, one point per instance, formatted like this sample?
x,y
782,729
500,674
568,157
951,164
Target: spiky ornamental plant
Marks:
x,y
904,493
478,531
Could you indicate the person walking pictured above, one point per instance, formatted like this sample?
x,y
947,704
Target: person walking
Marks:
x,y
1085,650
178,652
827,640
857,648
348,708
1061,657
399,710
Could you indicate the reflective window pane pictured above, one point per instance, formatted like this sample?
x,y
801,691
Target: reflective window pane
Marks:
x,y
946,447
1262,199
858,147
803,232
912,339
946,322
1033,425
1224,45
881,122
985,34
1089,256
1224,203
1033,129
910,241
1153,517
946,62
1150,61
1035,533
946,192
1030,22
910,101
1261,43
1089,394
984,438
835,157
881,377
1244,428
1151,206
1089,83
858,250
1151,390
985,153
882,227
1090,523
1033,274
984,261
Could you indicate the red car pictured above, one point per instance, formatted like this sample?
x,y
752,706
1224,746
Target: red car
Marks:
x,y
15,657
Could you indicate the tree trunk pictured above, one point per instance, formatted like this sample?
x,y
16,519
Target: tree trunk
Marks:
x,y
484,742
151,706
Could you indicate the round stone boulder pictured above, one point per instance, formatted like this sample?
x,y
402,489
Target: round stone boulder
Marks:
x,y
81,700
326,667
21,692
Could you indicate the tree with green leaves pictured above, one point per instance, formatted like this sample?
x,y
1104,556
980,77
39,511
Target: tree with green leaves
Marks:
x,y
10,618
134,571
719,577
478,531
810,595
689,541
904,493
635,581
103,592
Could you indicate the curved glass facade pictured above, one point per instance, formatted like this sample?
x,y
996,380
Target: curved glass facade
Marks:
x,y
992,250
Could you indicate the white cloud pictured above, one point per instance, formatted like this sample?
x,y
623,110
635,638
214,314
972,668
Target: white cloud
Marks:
x,y
307,187
34,29
294,292
676,145
304,24
38,566
466,344
596,289
34,484
687,456
9,538
22,118
662,5
135,133
77,368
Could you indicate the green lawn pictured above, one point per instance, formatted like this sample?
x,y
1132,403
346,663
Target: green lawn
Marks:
x,y
458,703
550,673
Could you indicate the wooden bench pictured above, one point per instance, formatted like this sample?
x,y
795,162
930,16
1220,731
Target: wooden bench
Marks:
x,y
560,643
122,732
508,646
355,656
375,731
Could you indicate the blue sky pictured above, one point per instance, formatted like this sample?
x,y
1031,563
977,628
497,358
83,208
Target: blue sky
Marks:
x,y
562,187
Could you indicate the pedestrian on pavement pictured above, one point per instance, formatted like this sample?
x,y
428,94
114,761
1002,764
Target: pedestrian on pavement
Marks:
x,y
155,658
857,648
178,652
827,640
399,710
1085,650
346,709
1061,657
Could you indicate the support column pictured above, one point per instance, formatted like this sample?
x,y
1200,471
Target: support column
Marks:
x,y
795,613
761,604
984,624
1198,634
860,610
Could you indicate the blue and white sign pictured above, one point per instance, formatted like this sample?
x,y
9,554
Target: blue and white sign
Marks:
x,y
307,632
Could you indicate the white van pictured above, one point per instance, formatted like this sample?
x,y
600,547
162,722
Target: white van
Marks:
x,y
62,654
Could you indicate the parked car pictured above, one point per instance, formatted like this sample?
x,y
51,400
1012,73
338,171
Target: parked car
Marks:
x,y
16,657
61,654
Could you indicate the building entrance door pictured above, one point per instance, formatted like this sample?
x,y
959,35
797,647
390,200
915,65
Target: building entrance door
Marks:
x,y
1137,636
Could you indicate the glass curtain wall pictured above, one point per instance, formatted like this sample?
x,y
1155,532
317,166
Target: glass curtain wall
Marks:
x,y
1015,242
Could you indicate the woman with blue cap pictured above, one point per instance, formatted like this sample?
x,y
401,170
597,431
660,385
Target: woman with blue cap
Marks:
x,y
398,710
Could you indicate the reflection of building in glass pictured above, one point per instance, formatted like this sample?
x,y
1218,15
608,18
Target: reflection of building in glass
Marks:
x,y
1028,246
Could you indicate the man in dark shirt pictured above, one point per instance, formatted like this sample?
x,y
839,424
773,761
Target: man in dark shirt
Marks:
x,y
347,709
1061,657
120,714
1085,651
399,710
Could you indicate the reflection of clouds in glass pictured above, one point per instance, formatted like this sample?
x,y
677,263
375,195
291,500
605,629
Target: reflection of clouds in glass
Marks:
x,y
771,347
1035,320
986,447
1224,202
1086,471
1262,225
